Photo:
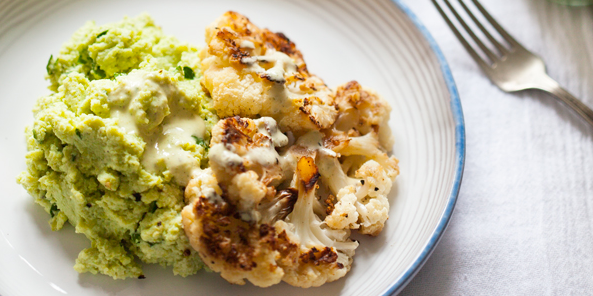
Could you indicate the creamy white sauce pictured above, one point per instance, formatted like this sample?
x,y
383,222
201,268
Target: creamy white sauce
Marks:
x,y
177,130
170,126
313,140
223,156
268,127
128,89
282,65
125,120
247,44
265,156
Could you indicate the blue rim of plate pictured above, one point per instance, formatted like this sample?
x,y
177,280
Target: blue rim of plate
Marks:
x,y
401,283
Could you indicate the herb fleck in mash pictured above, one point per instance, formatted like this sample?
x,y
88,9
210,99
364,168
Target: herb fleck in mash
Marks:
x,y
115,143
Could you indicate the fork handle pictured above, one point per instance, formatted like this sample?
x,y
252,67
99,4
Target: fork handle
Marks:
x,y
551,86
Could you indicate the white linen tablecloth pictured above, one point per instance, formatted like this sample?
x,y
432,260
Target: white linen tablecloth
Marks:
x,y
523,224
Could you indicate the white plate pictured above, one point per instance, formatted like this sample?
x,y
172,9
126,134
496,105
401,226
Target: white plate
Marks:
x,y
379,43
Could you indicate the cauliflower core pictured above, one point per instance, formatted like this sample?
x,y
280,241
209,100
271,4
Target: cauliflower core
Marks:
x,y
284,191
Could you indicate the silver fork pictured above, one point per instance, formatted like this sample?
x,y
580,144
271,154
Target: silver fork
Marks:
x,y
514,68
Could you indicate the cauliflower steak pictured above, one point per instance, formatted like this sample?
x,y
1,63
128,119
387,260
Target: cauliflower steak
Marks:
x,y
294,167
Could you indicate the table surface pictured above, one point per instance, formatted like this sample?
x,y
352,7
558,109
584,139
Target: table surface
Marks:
x,y
523,221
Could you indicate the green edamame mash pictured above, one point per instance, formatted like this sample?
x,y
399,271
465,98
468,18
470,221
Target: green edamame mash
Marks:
x,y
113,145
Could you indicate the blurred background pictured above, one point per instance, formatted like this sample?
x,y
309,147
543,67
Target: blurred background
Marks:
x,y
524,218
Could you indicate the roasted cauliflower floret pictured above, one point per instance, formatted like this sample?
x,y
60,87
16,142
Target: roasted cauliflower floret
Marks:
x,y
361,131
248,226
362,148
243,157
240,144
359,205
253,72
362,111
236,248
324,254
227,201
361,202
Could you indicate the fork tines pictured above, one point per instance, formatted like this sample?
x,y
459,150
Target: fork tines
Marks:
x,y
491,55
